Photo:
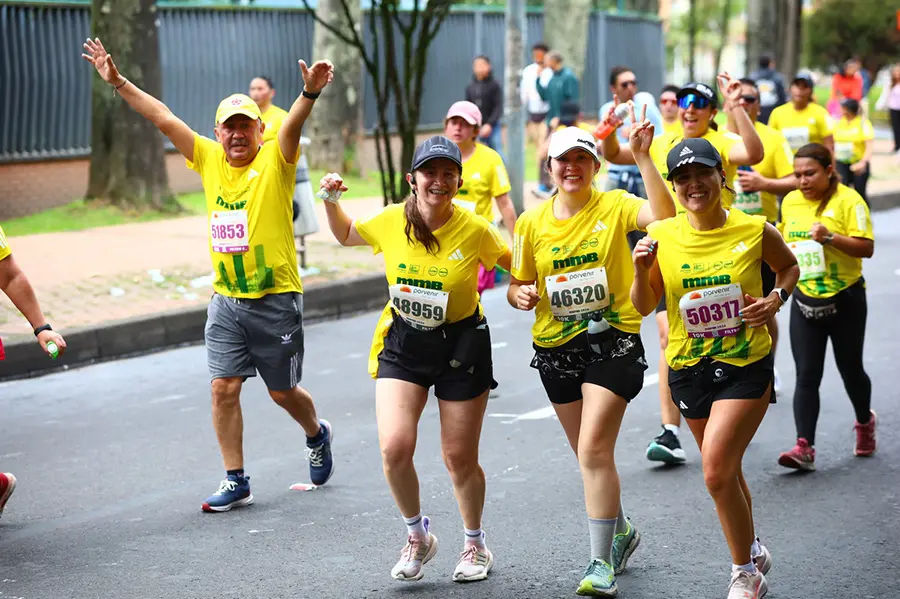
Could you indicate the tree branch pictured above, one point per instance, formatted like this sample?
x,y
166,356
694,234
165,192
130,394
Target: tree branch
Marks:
x,y
331,28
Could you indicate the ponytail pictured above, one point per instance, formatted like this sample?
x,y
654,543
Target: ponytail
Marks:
x,y
416,224
823,156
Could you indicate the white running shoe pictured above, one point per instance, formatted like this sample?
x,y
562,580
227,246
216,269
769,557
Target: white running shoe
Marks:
x,y
763,561
747,586
776,384
416,553
474,564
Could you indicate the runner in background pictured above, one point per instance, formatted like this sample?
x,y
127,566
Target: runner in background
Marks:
x,y
536,127
432,333
668,109
484,178
802,121
854,143
262,91
758,188
255,317
771,87
829,229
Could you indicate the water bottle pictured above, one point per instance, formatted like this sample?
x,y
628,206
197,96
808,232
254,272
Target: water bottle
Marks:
x,y
329,196
53,350
597,329
619,115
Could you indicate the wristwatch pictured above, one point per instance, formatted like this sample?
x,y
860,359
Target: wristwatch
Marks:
x,y
783,295
828,238
42,328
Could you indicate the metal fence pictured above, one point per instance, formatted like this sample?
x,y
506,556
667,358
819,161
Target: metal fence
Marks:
x,y
45,91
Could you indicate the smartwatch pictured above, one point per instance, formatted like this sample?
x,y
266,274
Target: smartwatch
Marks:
x,y
783,295
41,329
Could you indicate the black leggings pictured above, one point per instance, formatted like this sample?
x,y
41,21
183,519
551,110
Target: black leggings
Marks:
x,y
851,179
895,125
809,339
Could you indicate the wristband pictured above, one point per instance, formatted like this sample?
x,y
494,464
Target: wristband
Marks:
x,y
306,94
41,329
118,87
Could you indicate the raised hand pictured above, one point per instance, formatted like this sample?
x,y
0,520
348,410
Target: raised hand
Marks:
x,y
102,61
333,182
317,76
730,88
641,135
644,254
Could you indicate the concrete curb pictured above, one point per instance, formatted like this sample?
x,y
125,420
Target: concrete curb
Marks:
x,y
136,336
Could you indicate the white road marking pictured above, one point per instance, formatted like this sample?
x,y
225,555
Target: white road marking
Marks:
x,y
353,356
499,344
168,398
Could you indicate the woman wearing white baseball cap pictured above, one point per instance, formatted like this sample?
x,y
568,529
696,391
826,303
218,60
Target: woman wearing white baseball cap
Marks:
x,y
572,266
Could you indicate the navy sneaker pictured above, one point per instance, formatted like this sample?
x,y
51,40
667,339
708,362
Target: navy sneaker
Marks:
x,y
234,491
321,466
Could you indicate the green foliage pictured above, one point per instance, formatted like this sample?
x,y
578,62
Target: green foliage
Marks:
x,y
840,29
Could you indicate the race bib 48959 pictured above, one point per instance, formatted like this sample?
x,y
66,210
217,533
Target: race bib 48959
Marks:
x,y
423,309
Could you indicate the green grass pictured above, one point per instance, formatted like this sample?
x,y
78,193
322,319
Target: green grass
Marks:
x,y
80,215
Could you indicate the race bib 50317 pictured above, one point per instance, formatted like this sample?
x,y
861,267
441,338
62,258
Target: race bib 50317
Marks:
x,y
712,312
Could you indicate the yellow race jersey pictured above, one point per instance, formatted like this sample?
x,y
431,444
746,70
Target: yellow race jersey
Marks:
x,y
250,226
705,275
800,127
850,137
722,141
273,118
825,270
466,240
777,162
484,178
674,127
550,251
5,250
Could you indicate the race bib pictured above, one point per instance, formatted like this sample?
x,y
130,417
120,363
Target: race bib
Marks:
x,y
810,257
748,202
423,309
797,137
712,312
470,206
843,151
228,231
578,295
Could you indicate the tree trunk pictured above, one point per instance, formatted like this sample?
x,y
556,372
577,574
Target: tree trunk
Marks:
x,y
723,34
128,167
333,131
566,25
774,28
692,38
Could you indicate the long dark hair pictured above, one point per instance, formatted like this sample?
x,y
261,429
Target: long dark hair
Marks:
x,y
415,224
820,154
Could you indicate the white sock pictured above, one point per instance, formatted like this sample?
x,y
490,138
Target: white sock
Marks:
x,y
755,549
602,532
673,428
474,537
621,521
415,526
748,568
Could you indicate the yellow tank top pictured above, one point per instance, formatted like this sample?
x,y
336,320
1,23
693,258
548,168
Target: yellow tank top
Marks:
x,y
705,275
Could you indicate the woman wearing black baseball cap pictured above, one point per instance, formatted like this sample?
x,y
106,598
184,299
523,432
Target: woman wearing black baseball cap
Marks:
x,y
432,334
705,263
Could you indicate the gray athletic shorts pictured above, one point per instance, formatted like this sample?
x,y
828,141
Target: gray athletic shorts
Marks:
x,y
265,335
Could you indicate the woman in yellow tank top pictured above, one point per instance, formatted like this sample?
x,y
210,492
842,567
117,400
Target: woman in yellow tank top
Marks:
x,y
706,263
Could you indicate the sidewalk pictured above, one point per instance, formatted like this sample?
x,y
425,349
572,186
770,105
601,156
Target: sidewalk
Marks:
x,y
88,278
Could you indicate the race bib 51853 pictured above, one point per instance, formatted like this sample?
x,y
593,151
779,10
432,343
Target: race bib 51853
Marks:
x,y
578,295
712,312
228,231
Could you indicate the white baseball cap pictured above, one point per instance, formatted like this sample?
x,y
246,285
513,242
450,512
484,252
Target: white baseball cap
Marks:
x,y
572,138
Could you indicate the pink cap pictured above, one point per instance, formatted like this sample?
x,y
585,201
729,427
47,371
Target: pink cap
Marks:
x,y
466,111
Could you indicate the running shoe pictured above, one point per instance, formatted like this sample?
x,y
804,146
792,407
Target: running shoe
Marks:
x,y
623,546
234,491
474,564
321,465
666,448
747,586
415,554
763,561
599,580
7,486
865,437
776,382
801,457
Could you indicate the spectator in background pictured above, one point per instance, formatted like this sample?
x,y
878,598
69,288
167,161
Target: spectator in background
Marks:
x,y
890,101
668,108
562,86
485,93
848,83
772,91
854,142
536,106
262,91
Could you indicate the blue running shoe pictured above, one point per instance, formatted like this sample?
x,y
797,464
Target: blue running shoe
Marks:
x,y
321,466
233,492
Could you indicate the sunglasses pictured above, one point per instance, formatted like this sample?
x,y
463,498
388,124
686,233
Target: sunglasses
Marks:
x,y
668,102
629,83
749,99
699,102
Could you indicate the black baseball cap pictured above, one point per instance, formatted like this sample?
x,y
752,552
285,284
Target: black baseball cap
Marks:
x,y
436,147
568,113
692,151
805,77
700,89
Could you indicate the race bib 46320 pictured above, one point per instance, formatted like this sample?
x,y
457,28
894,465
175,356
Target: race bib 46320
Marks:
x,y
712,312
578,295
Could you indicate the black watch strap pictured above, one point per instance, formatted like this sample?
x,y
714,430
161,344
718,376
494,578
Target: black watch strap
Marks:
x,y
309,95
41,329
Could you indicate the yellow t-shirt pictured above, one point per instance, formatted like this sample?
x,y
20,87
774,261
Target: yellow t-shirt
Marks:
x,y
674,127
273,118
722,141
466,240
800,127
484,178
850,137
595,237
846,213
5,250
691,261
777,162
254,206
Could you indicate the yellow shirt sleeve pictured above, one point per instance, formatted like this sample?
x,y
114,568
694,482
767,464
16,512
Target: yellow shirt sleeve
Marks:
x,y
491,248
727,141
631,205
373,227
523,266
499,178
5,250
783,156
857,217
203,147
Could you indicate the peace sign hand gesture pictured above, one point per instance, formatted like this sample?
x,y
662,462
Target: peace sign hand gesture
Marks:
x,y
641,135
730,88
317,76
102,61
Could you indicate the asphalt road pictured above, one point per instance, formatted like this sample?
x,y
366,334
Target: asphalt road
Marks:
x,y
114,460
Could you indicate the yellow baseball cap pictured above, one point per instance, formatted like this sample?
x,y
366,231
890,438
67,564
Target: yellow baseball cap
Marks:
x,y
237,104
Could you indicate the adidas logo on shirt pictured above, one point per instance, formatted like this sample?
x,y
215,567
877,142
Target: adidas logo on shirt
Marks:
x,y
741,247
828,213
252,174
457,255
600,226
685,152
682,406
